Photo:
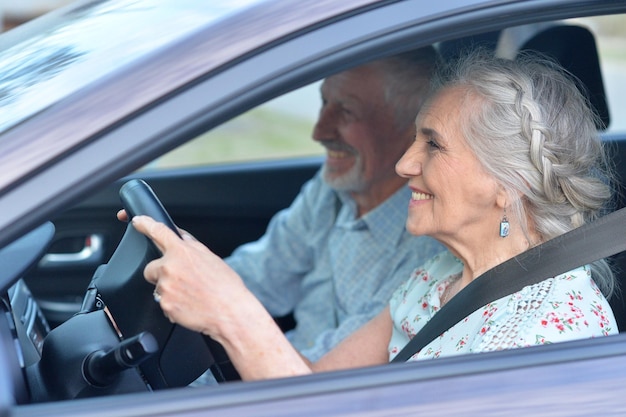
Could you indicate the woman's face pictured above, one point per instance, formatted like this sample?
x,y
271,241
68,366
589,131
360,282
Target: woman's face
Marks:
x,y
454,199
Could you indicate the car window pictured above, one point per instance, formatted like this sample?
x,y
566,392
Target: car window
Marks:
x,y
610,34
280,128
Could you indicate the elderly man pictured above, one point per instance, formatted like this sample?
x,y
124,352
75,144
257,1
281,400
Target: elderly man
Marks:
x,y
334,257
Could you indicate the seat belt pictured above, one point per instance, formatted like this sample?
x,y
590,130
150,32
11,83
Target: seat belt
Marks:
x,y
599,239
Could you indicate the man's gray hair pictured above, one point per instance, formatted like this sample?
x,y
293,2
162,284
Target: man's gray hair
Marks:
x,y
406,81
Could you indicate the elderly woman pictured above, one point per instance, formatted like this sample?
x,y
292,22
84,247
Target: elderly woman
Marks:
x,y
506,156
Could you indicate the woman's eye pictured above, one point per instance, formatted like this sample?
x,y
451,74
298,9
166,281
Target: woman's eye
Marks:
x,y
433,144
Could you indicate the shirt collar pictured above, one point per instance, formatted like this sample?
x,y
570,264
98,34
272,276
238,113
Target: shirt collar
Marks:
x,y
386,222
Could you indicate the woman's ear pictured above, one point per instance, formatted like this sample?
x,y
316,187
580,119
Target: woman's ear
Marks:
x,y
503,198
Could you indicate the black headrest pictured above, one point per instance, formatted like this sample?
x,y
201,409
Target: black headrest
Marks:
x,y
574,47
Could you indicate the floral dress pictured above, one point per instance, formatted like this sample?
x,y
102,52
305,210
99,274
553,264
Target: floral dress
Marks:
x,y
566,307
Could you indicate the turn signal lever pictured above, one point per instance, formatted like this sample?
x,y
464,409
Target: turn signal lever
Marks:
x,y
102,368
83,357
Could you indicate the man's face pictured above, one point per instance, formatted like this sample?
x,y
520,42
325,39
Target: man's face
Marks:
x,y
357,127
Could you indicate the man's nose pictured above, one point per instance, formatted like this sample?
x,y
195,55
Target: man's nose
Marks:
x,y
325,127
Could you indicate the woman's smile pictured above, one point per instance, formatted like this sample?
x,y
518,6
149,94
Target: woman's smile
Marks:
x,y
418,196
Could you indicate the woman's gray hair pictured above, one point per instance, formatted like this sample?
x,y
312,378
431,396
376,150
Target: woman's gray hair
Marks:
x,y
534,131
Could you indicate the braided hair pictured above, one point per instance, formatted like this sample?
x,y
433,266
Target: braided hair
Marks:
x,y
533,130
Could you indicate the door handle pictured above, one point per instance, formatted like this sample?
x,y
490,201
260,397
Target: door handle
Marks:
x,y
91,254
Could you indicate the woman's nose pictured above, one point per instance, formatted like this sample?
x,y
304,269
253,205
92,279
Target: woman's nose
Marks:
x,y
410,164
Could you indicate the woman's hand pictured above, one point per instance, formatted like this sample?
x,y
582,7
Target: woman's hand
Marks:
x,y
122,216
199,291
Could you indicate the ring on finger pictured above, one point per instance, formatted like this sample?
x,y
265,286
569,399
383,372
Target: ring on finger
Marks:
x,y
156,295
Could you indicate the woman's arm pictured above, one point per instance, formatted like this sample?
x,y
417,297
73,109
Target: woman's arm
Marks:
x,y
201,292
365,347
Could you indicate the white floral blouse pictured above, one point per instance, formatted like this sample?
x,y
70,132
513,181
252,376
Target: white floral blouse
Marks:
x,y
566,307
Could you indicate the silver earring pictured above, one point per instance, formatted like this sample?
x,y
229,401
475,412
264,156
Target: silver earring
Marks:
x,y
504,225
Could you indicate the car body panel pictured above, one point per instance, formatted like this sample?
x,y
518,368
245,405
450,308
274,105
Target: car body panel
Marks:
x,y
544,381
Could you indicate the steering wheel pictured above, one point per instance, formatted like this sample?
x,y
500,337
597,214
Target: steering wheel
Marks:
x,y
183,355
121,335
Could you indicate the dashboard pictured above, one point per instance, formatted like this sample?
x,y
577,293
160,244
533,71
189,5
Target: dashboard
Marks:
x,y
30,324
120,345
24,325
23,322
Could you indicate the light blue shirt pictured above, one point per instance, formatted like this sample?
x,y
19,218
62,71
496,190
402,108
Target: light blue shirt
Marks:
x,y
334,271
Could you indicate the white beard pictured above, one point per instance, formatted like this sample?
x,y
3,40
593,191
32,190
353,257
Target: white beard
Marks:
x,y
351,181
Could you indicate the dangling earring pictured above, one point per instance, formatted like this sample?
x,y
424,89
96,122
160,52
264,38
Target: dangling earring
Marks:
x,y
504,225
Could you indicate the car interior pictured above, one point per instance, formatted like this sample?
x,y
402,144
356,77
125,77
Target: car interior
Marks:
x,y
227,205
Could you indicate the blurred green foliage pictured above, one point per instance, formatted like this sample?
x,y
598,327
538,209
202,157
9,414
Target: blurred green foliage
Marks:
x,y
261,134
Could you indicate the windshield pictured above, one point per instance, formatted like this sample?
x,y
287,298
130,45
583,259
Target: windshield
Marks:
x,y
90,42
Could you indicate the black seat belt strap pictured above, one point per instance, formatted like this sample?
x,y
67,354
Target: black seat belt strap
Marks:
x,y
602,238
